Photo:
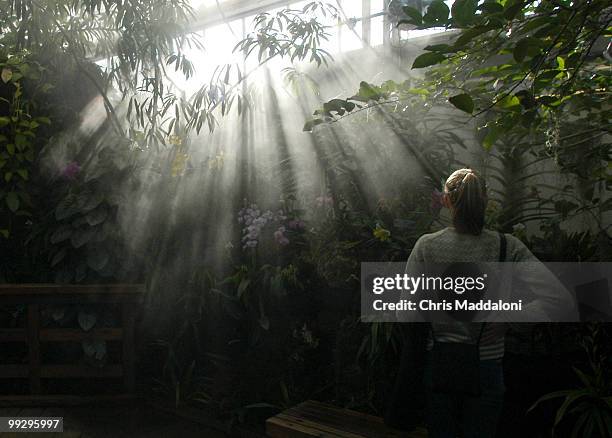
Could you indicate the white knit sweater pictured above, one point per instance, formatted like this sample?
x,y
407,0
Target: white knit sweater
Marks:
x,y
449,246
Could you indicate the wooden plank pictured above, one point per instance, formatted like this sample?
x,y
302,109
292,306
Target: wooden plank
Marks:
x,y
350,421
196,415
68,371
70,299
320,426
9,412
341,411
54,293
72,289
336,415
277,428
10,371
13,335
128,321
36,294
34,347
63,335
34,411
12,401
313,418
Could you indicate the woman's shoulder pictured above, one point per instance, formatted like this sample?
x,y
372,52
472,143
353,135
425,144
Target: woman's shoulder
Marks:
x,y
428,237
517,250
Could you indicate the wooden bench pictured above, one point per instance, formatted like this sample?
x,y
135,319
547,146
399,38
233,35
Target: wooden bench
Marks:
x,y
315,419
33,296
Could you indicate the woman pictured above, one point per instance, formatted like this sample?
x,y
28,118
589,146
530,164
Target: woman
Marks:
x,y
451,414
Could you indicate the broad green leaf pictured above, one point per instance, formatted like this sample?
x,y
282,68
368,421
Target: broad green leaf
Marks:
x,y
12,201
526,47
560,63
509,102
310,124
491,137
87,320
6,74
520,50
569,399
20,141
244,284
437,13
368,92
62,233
58,313
550,396
463,102
98,258
81,236
415,16
469,34
512,8
264,322
534,23
88,201
464,12
491,8
58,257
565,207
427,59
335,105
96,216
526,99
95,348
66,207
23,173
442,48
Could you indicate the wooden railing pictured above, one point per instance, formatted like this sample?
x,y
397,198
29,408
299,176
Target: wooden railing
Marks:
x,y
33,296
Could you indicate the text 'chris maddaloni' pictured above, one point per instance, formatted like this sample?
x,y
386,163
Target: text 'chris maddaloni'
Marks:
x,y
408,286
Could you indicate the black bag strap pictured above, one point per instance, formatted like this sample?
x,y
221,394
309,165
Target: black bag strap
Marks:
x,y
482,326
502,258
502,247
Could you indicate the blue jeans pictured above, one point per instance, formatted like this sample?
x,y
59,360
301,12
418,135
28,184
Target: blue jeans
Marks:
x,y
449,415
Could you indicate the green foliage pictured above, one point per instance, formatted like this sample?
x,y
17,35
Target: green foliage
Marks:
x,y
137,40
369,96
84,242
427,59
293,34
18,134
463,101
290,33
139,46
542,59
587,408
143,44
531,74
